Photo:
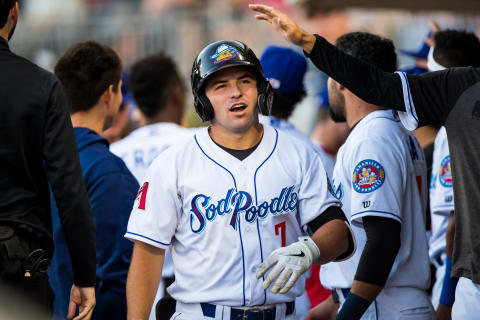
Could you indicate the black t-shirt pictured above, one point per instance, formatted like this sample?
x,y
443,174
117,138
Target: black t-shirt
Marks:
x,y
450,98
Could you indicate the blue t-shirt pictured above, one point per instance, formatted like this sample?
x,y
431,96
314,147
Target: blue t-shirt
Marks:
x,y
111,190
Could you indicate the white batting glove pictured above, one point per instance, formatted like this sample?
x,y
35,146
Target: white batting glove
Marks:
x,y
290,263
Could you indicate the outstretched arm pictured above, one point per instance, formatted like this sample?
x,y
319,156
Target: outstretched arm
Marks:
x,y
143,278
365,80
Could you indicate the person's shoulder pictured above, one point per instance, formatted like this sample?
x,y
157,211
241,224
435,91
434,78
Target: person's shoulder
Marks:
x,y
299,150
100,162
123,145
176,154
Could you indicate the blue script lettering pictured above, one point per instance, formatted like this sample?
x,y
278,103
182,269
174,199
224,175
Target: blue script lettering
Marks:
x,y
237,202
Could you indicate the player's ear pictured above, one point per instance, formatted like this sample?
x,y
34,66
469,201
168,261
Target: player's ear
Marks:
x,y
107,96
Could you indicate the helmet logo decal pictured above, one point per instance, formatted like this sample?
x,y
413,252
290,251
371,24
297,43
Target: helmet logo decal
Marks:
x,y
224,52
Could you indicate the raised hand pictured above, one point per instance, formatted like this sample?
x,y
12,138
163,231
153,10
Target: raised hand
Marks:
x,y
284,25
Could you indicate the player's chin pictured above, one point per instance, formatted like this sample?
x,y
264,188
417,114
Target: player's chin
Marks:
x,y
241,125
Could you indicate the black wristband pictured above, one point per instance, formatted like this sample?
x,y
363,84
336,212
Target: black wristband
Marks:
x,y
353,308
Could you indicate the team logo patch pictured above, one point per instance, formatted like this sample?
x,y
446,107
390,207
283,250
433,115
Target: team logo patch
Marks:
x,y
445,174
224,52
368,176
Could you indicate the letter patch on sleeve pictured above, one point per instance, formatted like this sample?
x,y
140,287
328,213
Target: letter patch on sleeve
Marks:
x,y
142,196
368,176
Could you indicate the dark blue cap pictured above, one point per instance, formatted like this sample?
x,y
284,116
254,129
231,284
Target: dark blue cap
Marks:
x,y
284,68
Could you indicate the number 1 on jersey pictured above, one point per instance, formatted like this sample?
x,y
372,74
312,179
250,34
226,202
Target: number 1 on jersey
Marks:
x,y
280,230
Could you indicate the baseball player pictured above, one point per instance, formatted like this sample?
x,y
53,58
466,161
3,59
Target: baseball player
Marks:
x,y
235,204
158,90
159,93
380,177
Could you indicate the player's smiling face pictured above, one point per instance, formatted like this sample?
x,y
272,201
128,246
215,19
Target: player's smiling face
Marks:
x,y
233,94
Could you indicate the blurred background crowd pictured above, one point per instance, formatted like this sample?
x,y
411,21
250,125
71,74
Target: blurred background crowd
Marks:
x,y
180,28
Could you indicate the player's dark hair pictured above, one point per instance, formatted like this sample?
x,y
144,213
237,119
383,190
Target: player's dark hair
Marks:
x,y
284,103
457,48
5,7
150,81
86,70
370,48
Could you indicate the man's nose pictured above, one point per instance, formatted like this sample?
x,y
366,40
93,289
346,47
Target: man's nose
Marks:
x,y
235,91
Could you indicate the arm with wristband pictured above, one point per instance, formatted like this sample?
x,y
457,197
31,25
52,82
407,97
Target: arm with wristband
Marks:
x,y
447,297
378,256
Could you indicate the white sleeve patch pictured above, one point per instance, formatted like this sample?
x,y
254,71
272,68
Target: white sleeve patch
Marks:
x,y
409,118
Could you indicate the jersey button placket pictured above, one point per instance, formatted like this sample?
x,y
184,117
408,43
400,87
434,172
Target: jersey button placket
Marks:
x,y
249,234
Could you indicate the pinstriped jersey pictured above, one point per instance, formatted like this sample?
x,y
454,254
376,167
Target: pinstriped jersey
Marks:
x,y
221,216
381,171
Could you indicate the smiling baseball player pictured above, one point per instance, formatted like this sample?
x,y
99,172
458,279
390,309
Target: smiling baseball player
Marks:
x,y
380,177
233,203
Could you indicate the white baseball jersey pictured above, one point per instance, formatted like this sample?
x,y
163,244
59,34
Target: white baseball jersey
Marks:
x,y
441,195
381,171
222,217
143,145
285,126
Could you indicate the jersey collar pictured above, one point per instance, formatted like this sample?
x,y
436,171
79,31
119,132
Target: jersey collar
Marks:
x,y
264,149
386,114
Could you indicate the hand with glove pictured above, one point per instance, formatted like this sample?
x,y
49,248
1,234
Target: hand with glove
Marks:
x,y
288,263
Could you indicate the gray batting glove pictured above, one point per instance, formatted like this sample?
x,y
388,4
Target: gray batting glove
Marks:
x,y
290,263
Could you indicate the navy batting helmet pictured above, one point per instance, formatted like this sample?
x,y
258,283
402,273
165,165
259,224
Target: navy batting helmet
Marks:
x,y
220,55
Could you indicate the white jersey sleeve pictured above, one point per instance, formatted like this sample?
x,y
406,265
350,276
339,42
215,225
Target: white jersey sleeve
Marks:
x,y
315,193
441,188
377,181
408,117
156,209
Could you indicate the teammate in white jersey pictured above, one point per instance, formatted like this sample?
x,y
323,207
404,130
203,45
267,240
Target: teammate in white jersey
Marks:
x,y
158,90
380,177
233,203
441,206
159,93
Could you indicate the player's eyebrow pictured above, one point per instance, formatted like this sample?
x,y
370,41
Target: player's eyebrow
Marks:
x,y
226,78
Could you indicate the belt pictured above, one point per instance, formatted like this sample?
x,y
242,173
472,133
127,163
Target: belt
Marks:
x,y
248,314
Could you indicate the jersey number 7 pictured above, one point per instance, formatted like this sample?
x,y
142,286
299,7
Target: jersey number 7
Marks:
x,y
280,229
